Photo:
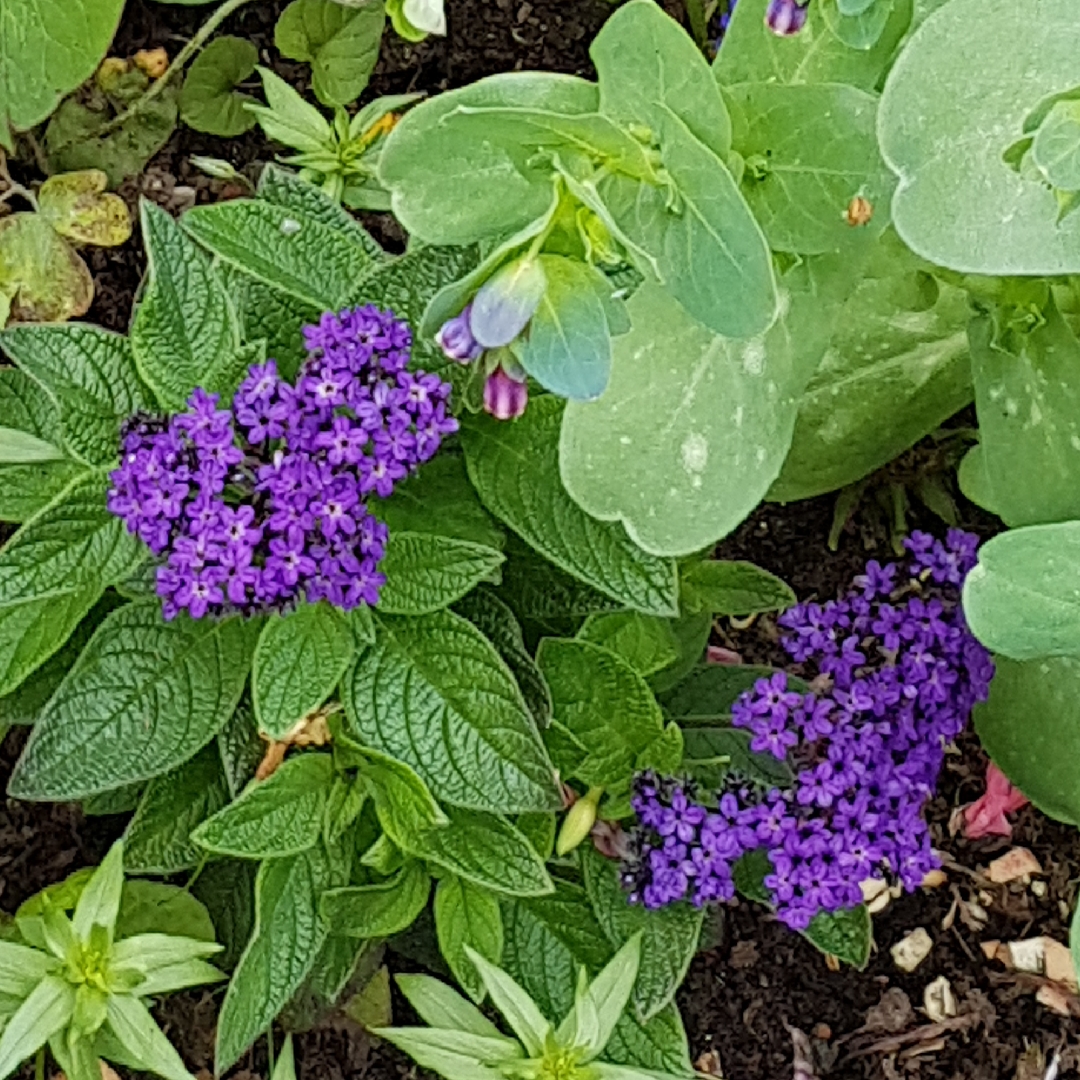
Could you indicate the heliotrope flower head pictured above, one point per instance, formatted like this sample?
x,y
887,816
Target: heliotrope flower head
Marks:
x,y
267,502
897,674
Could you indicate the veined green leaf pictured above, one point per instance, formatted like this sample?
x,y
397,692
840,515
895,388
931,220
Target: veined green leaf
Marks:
x,y
427,573
467,915
374,911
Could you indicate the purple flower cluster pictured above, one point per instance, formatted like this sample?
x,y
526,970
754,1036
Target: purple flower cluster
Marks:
x,y
261,505
896,673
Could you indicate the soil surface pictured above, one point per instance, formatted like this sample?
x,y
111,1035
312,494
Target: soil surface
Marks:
x,y
744,996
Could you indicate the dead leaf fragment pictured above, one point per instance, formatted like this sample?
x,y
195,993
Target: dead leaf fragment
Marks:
x,y
1054,999
934,879
152,62
939,1001
893,1013
709,1064
912,950
1014,865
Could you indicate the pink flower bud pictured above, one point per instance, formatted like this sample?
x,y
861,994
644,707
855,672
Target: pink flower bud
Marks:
x,y
505,397
786,17
456,340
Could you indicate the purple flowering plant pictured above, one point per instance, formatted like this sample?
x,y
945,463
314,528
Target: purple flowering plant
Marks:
x,y
894,673
257,506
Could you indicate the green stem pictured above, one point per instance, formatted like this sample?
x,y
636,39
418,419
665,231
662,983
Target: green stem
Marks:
x,y
199,867
270,1051
39,1065
179,62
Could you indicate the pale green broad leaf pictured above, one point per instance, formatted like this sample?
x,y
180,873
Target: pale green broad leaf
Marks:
x,y
52,572
967,79
340,42
441,185
21,448
442,1007
694,427
515,472
433,693
47,48
810,150
185,333
1056,149
290,119
426,572
137,1032
514,1003
90,375
209,101
455,1055
99,902
45,1011
143,697
283,947
1022,600
750,52
862,24
299,660
897,366
276,817
152,907
1027,395
22,968
375,911
1030,727
292,253
466,915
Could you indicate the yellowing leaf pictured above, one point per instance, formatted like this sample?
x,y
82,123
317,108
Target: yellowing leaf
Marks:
x,y
77,206
40,273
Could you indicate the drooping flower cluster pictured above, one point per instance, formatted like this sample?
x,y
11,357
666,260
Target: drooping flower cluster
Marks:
x,y
896,673
261,505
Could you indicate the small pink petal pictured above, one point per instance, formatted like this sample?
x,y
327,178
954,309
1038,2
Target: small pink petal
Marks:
x,y
717,654
986,815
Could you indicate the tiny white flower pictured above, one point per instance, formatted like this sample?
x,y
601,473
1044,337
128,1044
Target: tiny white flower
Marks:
x,y
426,15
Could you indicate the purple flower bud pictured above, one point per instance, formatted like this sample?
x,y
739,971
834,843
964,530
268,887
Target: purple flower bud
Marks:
x,y
506,302
505,397
456,340
786,17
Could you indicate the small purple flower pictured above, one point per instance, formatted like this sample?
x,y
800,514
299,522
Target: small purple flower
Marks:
x,y
786,17
505,396
455,338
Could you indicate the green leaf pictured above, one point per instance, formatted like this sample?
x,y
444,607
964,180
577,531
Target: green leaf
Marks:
x,y
137,1032
809,151
286,189
646,642
276,817
151,907
282,248
90,375
692,635
158,837
227,889
185,333
26,407
705,696
292,120
443,1008
896,368
568,349
729,587
22,968
426,573
374,911
340,42
52,572
1022,600
497,623
299,660
467,915
845,934
751,53
647,64
707,251
45,1011
240,747
209,100
484,849
975,67
514,469
605,705
283,947
46,50
712,752
1056,149
1027,395
440,501
21,448
142,698
693,427
861,29
1030,727
669,937
435,694
441,183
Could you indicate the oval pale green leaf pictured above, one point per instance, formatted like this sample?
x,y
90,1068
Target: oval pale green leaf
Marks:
x,y
209,101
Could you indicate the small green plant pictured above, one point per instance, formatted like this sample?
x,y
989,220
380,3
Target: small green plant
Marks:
x,y
79,985
462,1044
340,157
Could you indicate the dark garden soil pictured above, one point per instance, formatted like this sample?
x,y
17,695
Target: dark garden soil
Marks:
x,y
743,997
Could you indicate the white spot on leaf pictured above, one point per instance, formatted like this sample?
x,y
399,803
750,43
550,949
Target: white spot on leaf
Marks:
x,y
290,227
753,357
694,452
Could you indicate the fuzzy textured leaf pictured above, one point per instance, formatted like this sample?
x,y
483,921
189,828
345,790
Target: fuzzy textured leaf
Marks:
x,y
427,573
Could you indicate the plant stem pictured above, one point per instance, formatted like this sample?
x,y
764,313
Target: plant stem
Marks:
x,y
39,1065
179,62
270,1051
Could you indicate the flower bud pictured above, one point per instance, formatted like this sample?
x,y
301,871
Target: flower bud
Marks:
x,y
506,302
579,822
786,17
505,395
456,339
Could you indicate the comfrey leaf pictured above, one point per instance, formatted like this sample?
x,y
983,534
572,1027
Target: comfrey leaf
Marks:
x,y
511,1000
